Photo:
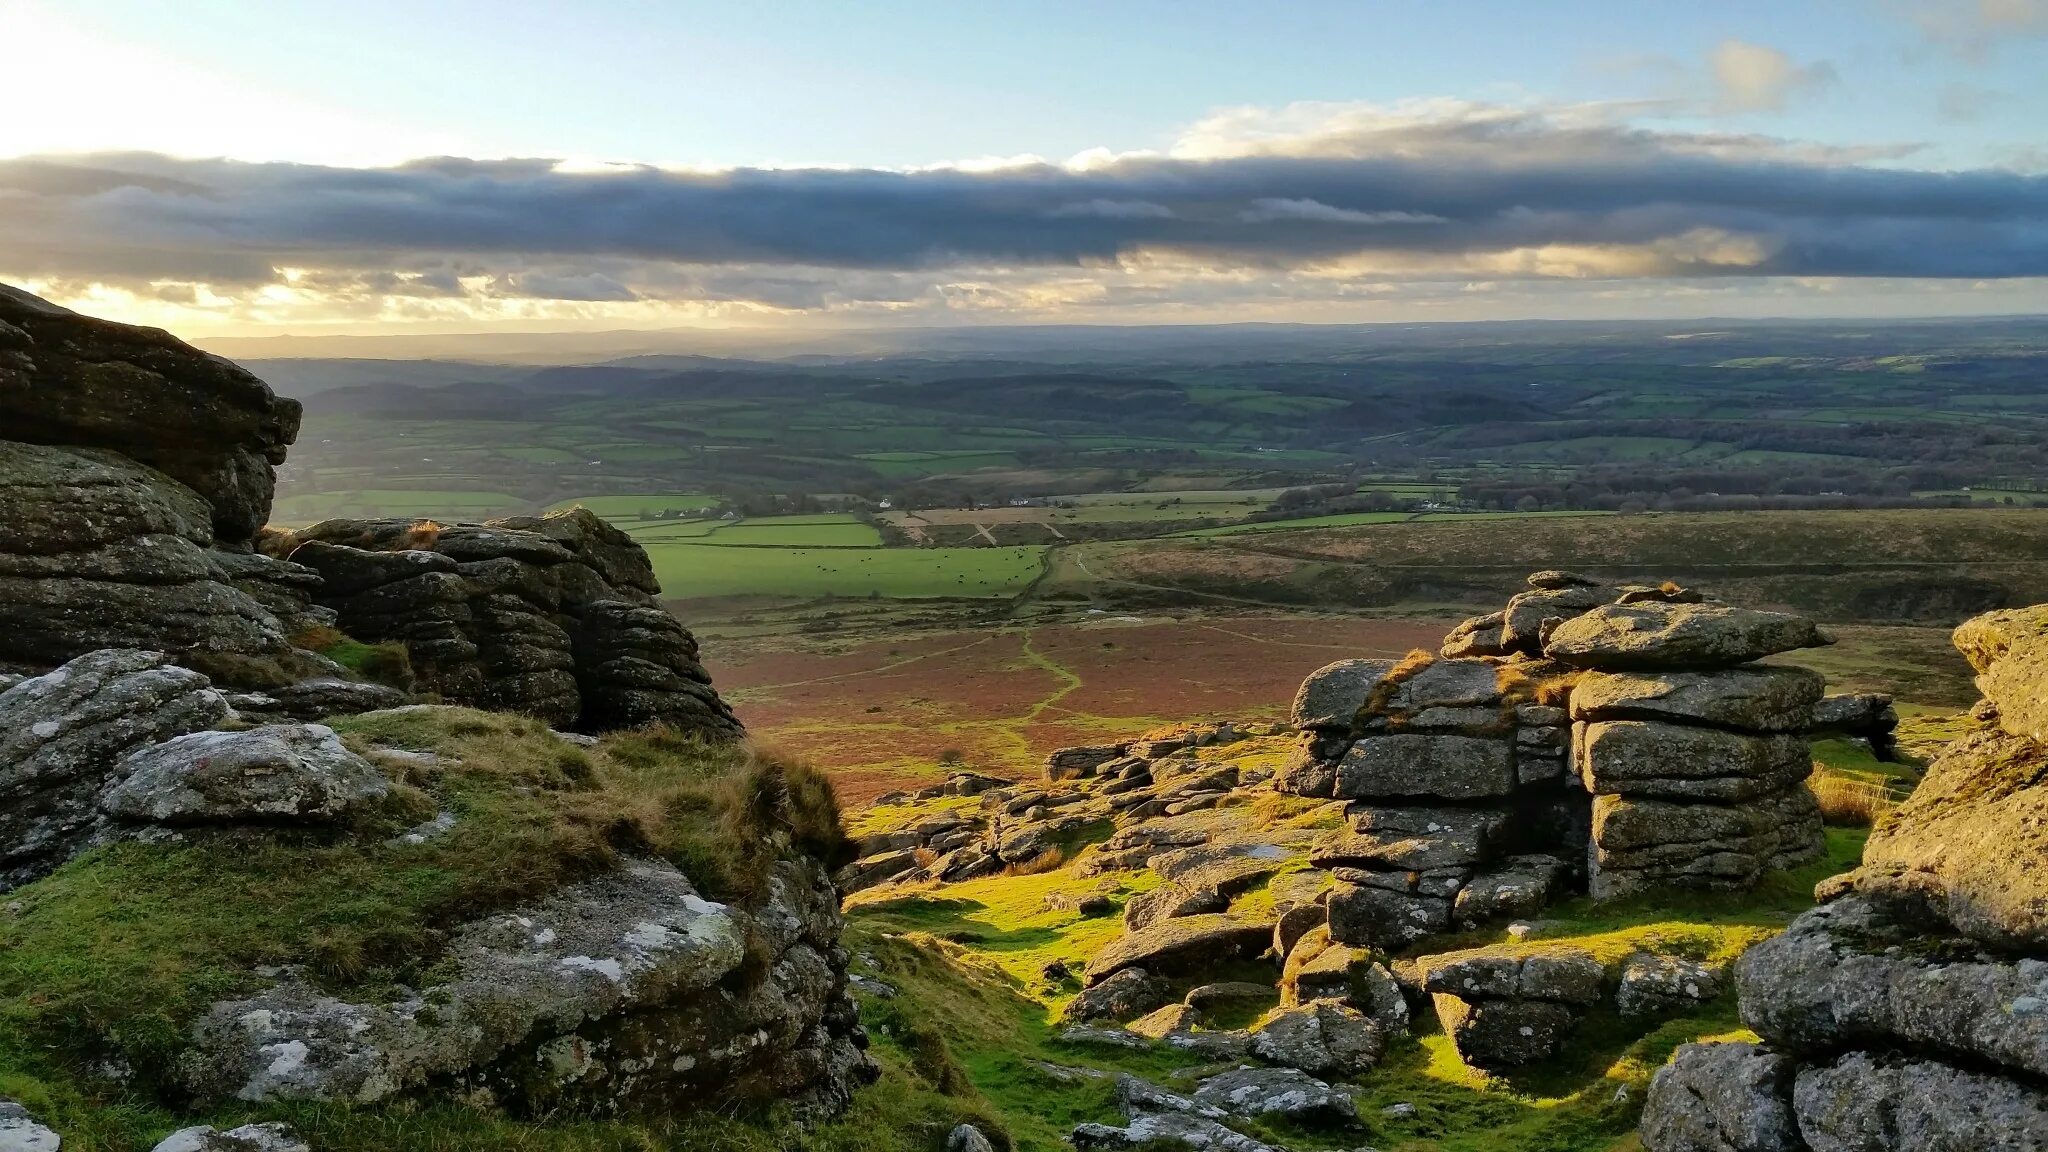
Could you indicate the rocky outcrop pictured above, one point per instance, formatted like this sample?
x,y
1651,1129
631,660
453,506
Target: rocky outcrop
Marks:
x,y
1696,758
63,736
553,616
135,470
1504,1011
98,551
74,381
136,474
1459,811
613,994
1910,1011
282,774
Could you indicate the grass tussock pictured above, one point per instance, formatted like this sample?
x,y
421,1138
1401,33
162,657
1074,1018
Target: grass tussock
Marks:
x,y
423,535
387,662
1849,802
1517,686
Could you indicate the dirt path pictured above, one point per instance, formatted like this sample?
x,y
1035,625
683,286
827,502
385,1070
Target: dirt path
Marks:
x,y
982,531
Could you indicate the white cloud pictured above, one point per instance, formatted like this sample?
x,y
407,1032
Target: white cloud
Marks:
x,y
1758,78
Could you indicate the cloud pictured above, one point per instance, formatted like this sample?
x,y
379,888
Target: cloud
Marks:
x,y
1328,200
1962,103
1975,29
1274,208
1112,210
1758,78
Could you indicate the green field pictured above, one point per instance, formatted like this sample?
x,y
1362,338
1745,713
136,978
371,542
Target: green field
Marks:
x,y
629,507
703,571
1349,519
372,502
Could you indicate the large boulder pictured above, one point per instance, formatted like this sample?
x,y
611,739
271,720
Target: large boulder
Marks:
x,y
98,551
1332,695
622,991
72,380
1973,835
1657,635
1426,766
2009,650
22,1132
1755,699
1645,842
1867,1103
553,616
1722,1098
1182,944
286,773
62,736
1685,762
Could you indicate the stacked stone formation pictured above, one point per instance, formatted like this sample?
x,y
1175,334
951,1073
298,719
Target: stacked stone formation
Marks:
x,y
1696,755
553,616
1910,1011
1455,796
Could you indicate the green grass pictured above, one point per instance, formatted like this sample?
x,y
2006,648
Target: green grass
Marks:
x,y
699,571
627,508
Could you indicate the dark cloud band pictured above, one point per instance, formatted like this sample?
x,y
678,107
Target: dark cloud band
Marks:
x,y
1431,199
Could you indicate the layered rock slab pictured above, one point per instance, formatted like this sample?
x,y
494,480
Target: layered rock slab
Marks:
x,y
553,616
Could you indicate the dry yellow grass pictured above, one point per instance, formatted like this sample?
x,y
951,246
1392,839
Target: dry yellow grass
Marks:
x,y
1848,802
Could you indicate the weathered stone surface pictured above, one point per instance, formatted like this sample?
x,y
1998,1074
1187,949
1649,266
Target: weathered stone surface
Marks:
x,y
97,551
1501,1034
1653,986
1405,839
1522,623
1866,1103
271,1137
1160,1130
1426,766
61,735
1478,636
1225,868
1975,831
322,697
1846,975
1287,1092
2009,650
1162,1022
296,773
1564,975
607,993
553,616
1447,684
1519,886
1080,761
1642,842
1655,635
1185,943
1321,1038
1411,907
72,380
1756,699
967,1138
1684,762
1333,694
1722,1098
21,1132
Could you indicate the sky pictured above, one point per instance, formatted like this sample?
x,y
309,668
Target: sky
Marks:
x,y
251,167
